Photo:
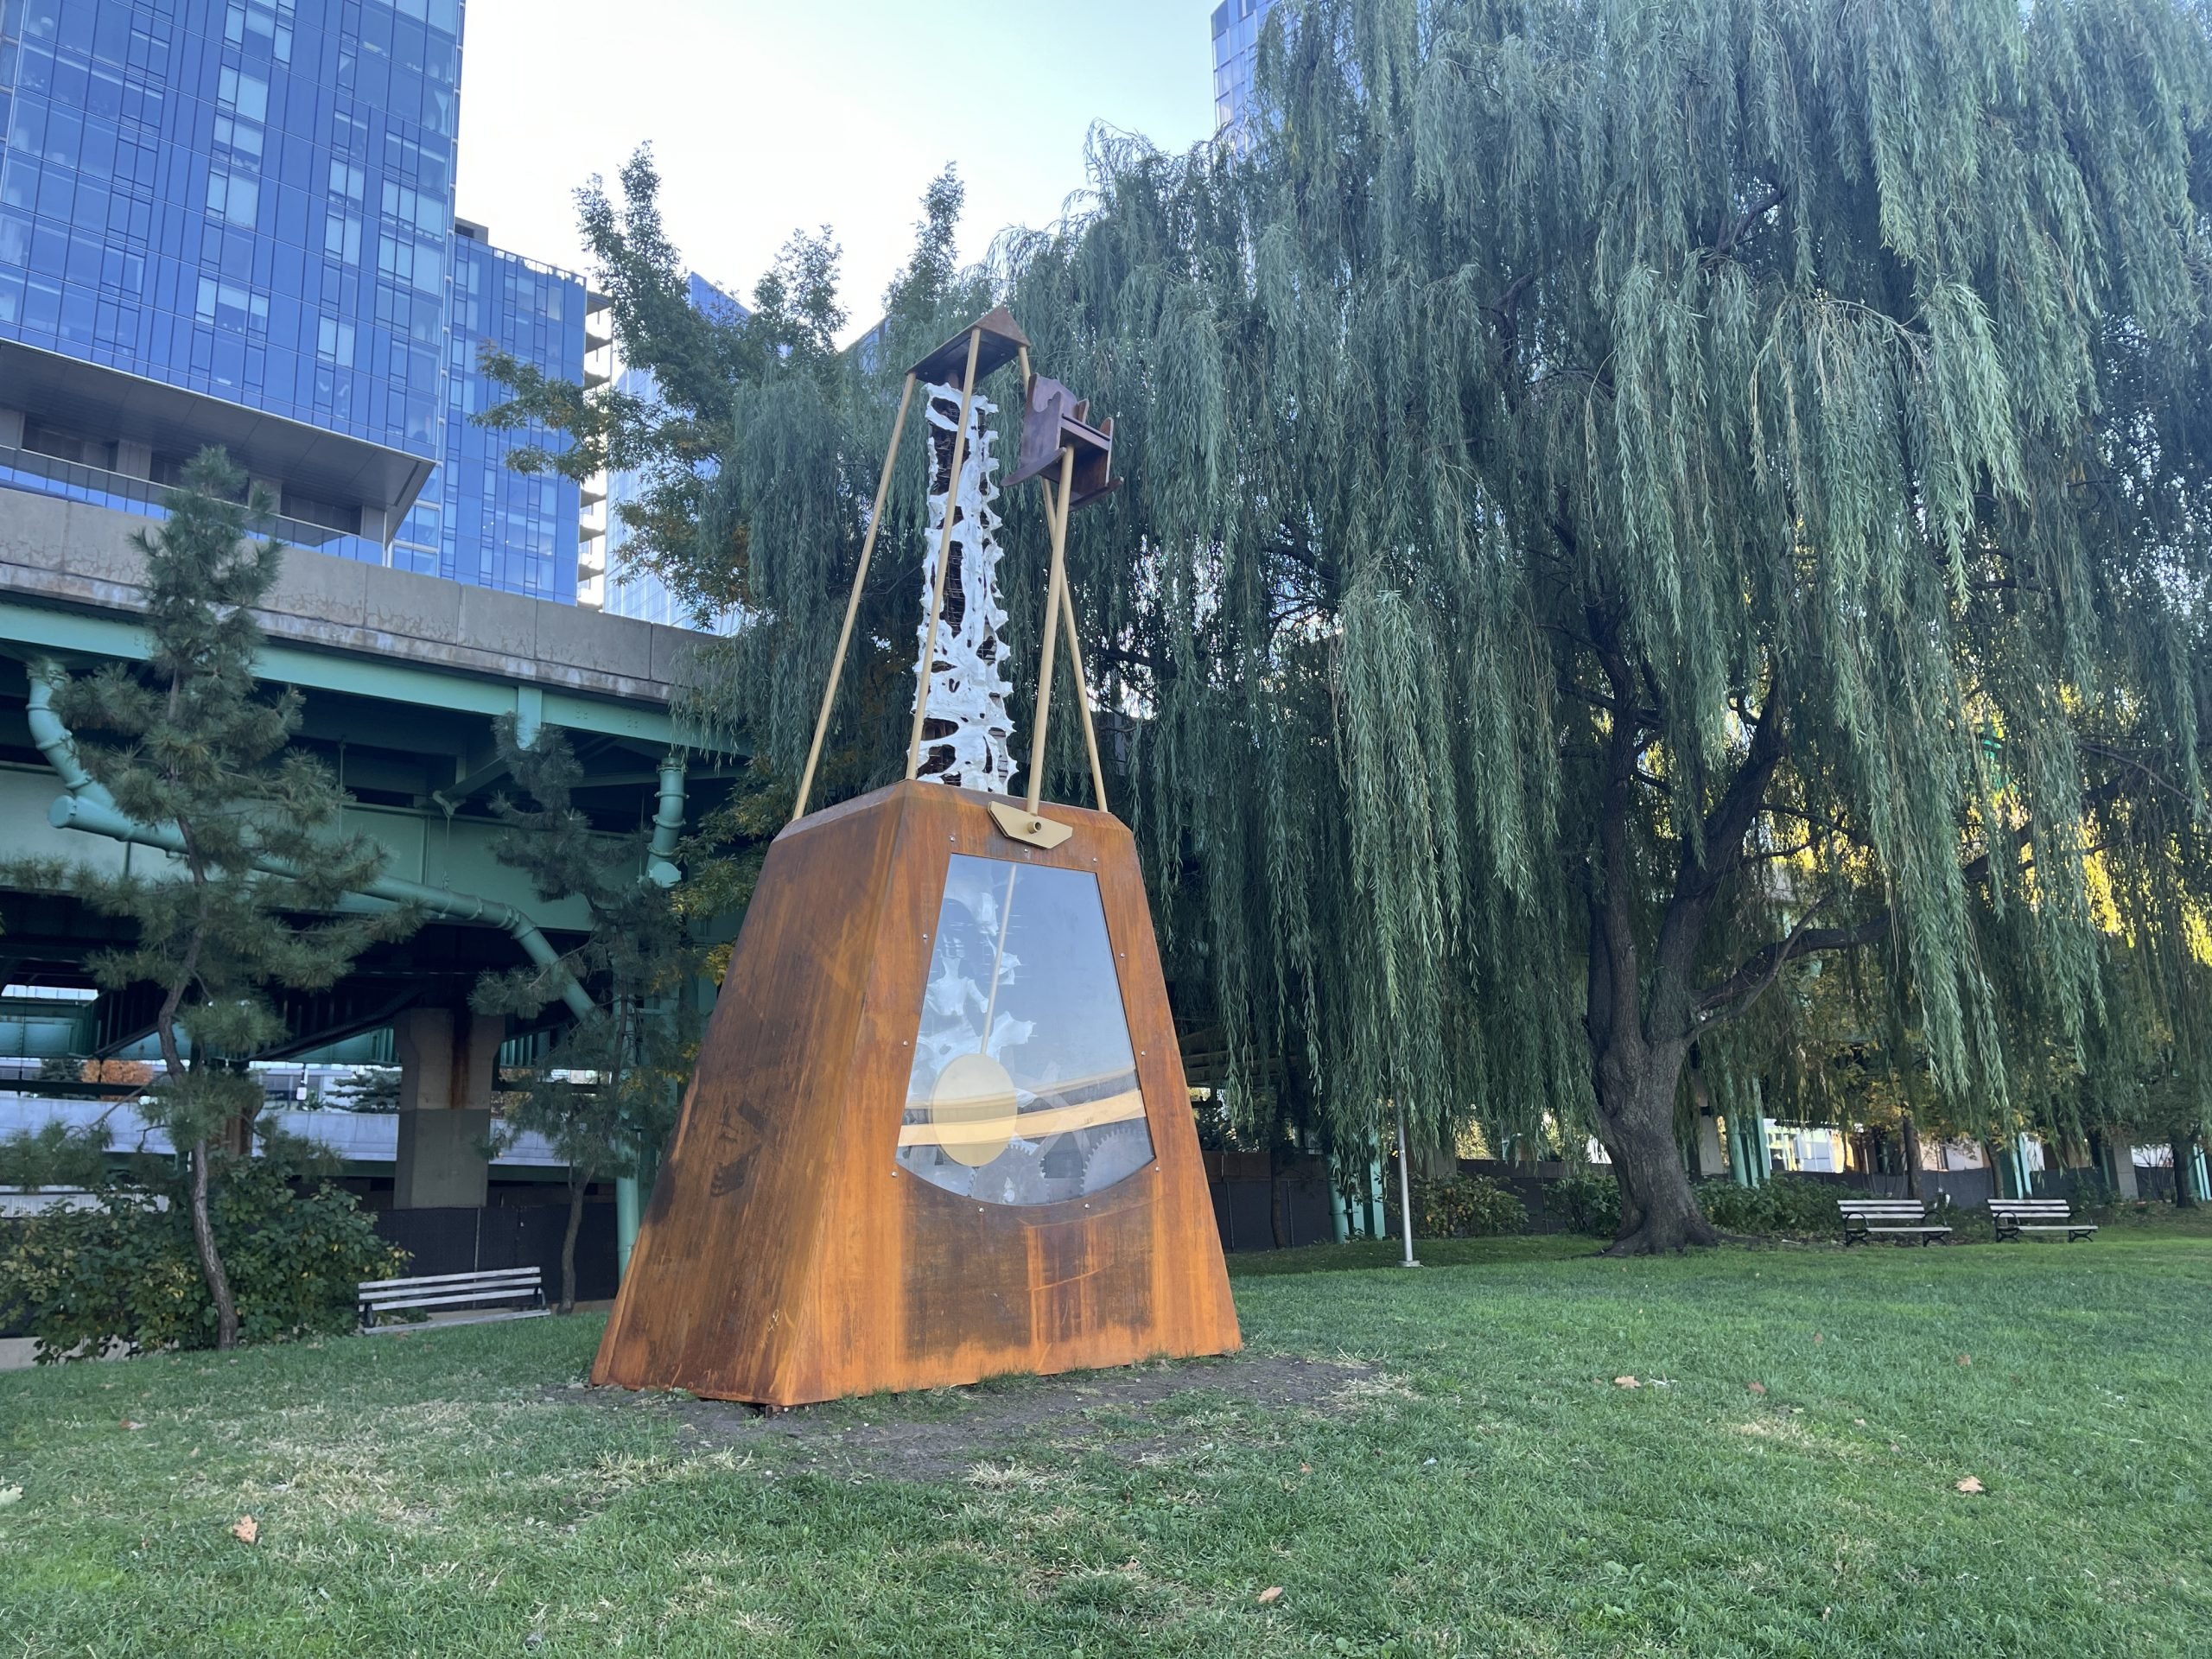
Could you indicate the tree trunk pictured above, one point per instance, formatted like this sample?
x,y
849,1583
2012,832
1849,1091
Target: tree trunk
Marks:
x,y
569,1248
1636,1125
2185,1188
211,1263
1911,1135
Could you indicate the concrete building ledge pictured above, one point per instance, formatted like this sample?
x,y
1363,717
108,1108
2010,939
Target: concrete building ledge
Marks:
x,y
72,555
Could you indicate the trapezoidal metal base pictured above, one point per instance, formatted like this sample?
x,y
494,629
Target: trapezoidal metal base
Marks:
x,y
939,1131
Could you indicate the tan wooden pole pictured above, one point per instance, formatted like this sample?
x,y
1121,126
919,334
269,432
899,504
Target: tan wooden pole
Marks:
x,y
853,604
944,554
1081,686
1059,522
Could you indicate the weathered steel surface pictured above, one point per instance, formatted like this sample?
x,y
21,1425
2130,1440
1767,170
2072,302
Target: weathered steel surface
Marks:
x,y
785,1257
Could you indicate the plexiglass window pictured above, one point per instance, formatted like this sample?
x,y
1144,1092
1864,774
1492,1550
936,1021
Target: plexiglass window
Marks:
x,y
1024,1087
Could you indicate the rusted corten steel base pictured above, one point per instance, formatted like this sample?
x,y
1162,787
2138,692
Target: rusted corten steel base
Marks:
x,y
785,1257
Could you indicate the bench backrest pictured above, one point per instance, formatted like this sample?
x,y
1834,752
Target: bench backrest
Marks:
x,y
2056,1209
451,1289
1882,1208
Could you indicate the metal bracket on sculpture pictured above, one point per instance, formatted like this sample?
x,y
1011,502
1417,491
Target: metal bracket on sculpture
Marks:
x,y
1018,823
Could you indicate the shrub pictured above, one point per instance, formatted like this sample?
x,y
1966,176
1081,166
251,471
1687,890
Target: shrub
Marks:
x,y
126,1271
1786,1205
1463,1206
1589,1203
54,1154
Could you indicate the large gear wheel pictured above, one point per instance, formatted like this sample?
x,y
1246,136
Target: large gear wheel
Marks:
x,y
1113,1153
1015,1176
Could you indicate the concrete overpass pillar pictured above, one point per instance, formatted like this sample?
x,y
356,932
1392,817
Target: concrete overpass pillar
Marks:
x,y
1712,1162
448,1063
2123,1169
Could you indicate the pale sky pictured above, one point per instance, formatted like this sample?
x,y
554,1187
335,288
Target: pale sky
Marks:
x,y
769,115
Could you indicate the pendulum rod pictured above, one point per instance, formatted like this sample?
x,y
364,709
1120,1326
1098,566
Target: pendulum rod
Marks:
x,y
998,957
853,604
1082,688
944,554
1053,592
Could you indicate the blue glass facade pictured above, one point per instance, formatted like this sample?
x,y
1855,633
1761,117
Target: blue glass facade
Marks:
x,y
1235,43
253,199
246,198
480,522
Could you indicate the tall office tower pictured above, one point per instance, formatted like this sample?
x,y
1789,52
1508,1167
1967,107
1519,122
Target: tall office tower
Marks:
x,y
231,221
628,590
1235,44
481,521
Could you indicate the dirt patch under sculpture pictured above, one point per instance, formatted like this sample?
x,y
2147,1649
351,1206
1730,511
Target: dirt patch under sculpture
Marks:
x,y
1135,1415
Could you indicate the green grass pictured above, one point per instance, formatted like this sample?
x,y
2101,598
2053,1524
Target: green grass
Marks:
x,y
1474,1483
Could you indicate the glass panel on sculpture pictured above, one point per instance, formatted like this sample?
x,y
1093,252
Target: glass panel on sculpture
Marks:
x,y
1024,1088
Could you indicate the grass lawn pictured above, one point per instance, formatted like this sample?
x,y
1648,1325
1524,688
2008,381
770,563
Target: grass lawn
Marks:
x,y
1437,1462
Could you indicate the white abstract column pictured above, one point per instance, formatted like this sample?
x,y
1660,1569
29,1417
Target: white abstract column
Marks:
x,y
965,736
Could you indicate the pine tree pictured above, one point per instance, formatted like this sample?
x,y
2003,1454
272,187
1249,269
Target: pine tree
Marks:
x,y
1624,501
190,745
607,1089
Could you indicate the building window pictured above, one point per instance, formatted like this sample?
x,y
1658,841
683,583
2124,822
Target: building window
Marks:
x,y
234,197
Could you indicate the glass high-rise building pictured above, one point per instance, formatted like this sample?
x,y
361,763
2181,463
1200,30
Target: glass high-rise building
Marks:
x,y
1236,45
481,521
232,221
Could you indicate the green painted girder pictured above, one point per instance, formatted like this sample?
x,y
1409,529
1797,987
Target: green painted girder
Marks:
x,y
421,846
353,675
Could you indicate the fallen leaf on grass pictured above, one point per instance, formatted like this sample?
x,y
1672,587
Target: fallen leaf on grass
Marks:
x,y
247,1531
1756,1388
1970,1485
1626,1383
1965,1359
1271,1594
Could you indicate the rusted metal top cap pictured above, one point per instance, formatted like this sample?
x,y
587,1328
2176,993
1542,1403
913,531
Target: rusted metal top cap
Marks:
x,y
1055,419
1002,339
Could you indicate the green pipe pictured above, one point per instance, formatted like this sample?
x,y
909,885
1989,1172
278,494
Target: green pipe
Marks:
x,y
668,824
626,1224
88,806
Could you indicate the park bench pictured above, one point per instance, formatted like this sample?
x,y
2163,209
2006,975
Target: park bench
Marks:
x,y
2014,1218
456,1290
1903,1219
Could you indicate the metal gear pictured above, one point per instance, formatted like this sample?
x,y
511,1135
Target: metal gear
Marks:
x,y
1112,1152
1015,1176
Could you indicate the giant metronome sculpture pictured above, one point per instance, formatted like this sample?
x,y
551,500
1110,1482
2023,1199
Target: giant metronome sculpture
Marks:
x,y
939,1129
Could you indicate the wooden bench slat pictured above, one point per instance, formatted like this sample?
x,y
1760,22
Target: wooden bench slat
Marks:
x,y
446,1290
1865,1219
454,1301
516,1289
447,1279
488,1318
2009,1218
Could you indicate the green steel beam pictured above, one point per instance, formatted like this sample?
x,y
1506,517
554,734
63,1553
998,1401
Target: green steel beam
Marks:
x,y
348,674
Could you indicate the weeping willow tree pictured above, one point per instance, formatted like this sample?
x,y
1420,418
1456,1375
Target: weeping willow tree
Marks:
x,y
1625,502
